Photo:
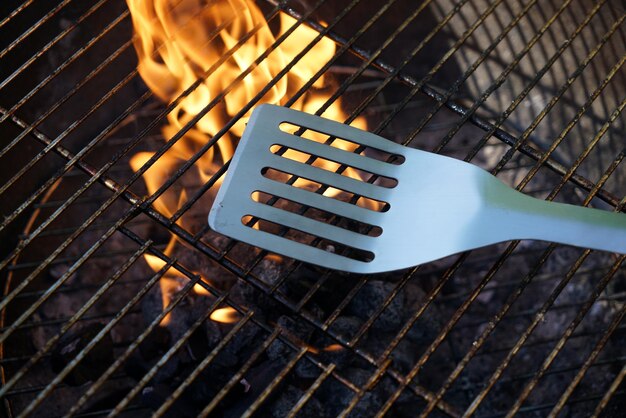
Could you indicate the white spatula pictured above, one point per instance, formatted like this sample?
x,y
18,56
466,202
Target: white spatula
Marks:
x,y
440,206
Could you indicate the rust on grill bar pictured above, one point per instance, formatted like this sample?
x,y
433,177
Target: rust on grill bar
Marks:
x,y
118,120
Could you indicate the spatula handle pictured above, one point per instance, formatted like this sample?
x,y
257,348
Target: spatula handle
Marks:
x,y
571,225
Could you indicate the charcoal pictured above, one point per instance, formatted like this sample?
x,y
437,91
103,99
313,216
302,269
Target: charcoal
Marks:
x,y
346,326
95,362
197,345
405,355
287,400
293,329
245,294
154,396
329,350
337,396
156,343
371,296
305,369
245,341
258,378
213,333
208,384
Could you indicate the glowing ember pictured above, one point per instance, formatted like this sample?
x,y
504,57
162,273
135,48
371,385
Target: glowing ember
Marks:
x,y
179,42
225,315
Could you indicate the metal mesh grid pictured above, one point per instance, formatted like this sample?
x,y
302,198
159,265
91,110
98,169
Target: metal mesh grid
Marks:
x,y
532,91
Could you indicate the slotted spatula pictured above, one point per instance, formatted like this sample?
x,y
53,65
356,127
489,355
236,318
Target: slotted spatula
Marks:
x,y
439,207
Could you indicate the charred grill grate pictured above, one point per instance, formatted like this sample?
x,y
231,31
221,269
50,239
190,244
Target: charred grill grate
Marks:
x,y
530,90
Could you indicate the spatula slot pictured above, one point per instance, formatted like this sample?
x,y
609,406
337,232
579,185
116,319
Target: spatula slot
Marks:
x,y
317,214
301,237
329,165
341,143
328,191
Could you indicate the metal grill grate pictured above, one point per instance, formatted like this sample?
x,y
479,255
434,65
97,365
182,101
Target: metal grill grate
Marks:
x,y
531,90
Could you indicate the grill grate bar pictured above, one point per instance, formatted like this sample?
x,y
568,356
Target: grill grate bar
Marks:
x,y
61,321
531,312
535,408
62,260
573,368
545,277
37,388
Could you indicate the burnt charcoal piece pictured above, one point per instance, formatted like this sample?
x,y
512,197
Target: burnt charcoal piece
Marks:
x,y
329,350
373,295
288,399
150,351
95,362
305,369
337,396
257,379
156,343
154,396
208,384
293,329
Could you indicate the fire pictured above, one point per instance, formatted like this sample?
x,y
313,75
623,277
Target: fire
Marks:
x,y
179,42
225,315
333,347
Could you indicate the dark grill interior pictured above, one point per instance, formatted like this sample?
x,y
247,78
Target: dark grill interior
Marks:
x,y
103,313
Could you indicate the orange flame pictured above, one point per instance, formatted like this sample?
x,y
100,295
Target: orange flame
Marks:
x,y
181,42
226,315
333,347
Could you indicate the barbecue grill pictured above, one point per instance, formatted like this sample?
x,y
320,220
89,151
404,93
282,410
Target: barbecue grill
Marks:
x,y
118,122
